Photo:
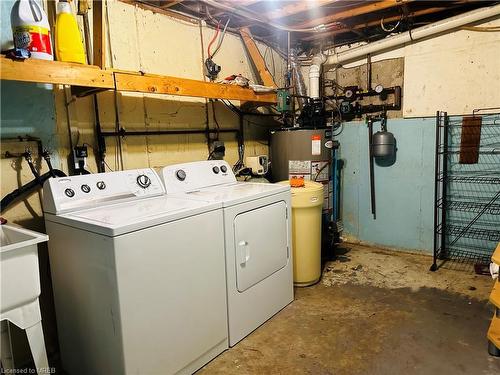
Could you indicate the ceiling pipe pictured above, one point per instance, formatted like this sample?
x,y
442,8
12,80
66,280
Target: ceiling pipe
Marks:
x,y
432,29
395,41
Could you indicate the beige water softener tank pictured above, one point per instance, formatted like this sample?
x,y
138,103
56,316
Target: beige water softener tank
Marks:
x,y
306,232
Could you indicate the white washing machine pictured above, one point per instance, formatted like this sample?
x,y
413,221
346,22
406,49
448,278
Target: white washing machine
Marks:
x,y
257,229
138,277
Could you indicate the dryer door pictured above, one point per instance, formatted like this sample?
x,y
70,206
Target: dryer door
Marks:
x,y
261,244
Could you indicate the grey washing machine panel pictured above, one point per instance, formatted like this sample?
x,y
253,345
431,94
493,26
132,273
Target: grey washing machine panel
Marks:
x,y
260,243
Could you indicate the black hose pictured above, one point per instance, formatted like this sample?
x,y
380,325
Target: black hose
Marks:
x,y
46,157
30,186
29,160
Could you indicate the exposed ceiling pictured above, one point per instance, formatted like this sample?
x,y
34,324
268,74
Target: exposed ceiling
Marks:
x,y
315,23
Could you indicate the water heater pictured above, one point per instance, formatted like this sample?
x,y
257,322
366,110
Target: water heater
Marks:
x,y
303,152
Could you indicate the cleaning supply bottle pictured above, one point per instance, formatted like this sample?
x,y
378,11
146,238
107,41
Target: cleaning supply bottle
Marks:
x,y
30,29
69,44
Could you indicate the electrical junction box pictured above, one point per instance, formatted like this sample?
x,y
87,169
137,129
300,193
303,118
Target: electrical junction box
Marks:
x,y
284,101
218,150
80,155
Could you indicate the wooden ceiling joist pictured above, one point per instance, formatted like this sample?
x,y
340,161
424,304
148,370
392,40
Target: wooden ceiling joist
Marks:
x,y
297,8
237,5
352,12
372,23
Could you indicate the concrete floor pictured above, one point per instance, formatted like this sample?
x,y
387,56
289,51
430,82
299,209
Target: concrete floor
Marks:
x,y
374,312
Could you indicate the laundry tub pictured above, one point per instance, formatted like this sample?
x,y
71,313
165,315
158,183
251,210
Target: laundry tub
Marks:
x,y
20,286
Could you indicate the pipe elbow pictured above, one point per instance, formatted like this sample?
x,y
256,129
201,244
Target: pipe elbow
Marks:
x,y
318,59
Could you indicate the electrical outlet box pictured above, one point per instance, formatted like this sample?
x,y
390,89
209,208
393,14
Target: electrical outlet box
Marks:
x,y
218,150
212,70
80,154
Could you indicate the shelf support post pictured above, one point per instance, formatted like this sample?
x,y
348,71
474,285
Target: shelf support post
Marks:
x,y
99,34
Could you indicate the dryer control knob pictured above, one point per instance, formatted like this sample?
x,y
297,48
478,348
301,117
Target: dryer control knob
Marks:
x,y
101,185
143,181
223,168
85,188
180,174
215,169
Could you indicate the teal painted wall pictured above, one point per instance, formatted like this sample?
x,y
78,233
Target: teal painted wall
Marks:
x,y
404,190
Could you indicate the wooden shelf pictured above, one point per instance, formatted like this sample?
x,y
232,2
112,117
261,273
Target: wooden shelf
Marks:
x,y
156,84
496,255
494,331
495,295
89,76
56,72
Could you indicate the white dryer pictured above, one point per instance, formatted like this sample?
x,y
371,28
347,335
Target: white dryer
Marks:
x,y
138,277
257,230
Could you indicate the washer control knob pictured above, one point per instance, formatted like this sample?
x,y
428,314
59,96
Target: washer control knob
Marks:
x,y
180,174
143,181
69,192
215,169
223,168
101,185
85,188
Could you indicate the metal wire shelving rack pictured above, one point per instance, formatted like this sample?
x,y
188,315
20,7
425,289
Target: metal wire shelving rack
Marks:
x,y
467,196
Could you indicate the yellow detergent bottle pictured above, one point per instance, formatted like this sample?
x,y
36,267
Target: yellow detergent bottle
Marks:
x,y
69,45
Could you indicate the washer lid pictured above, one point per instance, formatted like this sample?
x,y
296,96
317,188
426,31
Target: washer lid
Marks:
x,y
121,218
238,192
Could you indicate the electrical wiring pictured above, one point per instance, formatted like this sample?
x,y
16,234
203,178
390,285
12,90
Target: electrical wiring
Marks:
x,y
273,74
231,107
221,38
390,29
213,40
239,165
237,111
257,124
107,165
235,31
214,116
320,170
341,126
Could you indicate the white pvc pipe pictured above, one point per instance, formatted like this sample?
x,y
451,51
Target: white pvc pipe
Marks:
x,y
416,34
315,74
